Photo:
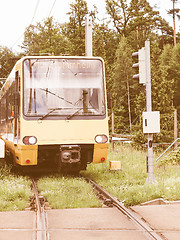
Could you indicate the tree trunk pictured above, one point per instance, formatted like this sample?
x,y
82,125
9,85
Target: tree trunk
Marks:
x,y
174,23
129,105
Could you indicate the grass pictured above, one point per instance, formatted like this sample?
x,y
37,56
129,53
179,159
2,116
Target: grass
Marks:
x,y
128,185
68,192
15,191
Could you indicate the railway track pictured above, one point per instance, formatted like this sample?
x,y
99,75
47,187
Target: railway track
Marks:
x,y
142,226
41,232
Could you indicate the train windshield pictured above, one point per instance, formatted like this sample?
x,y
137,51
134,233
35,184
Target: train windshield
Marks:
x,y
68,88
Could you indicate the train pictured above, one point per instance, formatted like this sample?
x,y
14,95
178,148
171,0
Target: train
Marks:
x,y
53,113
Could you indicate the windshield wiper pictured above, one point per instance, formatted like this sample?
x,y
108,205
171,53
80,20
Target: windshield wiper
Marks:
x,y
75,74
54,94
72,115
47,114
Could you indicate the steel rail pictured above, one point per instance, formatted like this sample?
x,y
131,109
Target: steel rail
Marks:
x,y
147,230
41,225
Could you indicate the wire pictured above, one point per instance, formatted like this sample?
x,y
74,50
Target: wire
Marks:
x,y
35,10
52,8
37,4
17,40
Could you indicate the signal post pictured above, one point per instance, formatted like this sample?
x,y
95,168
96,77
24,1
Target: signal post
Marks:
x,y
151,119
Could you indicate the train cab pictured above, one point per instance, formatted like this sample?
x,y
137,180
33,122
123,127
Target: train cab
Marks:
x,y
53,112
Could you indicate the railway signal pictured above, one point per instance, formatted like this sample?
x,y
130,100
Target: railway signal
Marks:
x,y
151,120
141,65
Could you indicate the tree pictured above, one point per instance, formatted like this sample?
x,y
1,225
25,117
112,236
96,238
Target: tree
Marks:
x,y
162,81
174,12
164,93
137,20
143,19
105,42
6,61
44,38
118,10
176,75
166,36
123,86
74,30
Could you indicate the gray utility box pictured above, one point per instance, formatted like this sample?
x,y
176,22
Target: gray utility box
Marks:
x,y
151,122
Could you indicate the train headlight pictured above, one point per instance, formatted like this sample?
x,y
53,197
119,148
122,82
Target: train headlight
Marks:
x,y
29,140
101,138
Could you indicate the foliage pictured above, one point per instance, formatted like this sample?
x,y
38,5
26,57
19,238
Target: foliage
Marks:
x,y
118,10
44,38
15,191
138,138
143,19
176,75
105,42
123,86
6,62
137,18
172,159
174,11
74,30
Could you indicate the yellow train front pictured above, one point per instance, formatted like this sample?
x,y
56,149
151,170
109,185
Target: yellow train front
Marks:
x,y
53,112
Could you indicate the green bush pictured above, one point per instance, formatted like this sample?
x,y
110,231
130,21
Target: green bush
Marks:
x,y
172,159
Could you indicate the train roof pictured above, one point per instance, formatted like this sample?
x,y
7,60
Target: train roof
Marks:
x,y
60,57
11,78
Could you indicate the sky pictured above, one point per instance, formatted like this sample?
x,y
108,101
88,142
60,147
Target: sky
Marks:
x,y
16,15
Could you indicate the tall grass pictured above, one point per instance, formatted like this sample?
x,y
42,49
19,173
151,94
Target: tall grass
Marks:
x,y
68,192
128,185
15,191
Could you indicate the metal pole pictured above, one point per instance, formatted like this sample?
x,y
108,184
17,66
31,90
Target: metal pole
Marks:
x,y
175,127
112,130
150,177
88,36
88,53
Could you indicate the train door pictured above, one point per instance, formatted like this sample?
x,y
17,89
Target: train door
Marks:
x,y
17,109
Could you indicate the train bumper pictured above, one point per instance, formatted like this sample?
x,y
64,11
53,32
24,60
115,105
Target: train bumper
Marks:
x,y
26,155
100,152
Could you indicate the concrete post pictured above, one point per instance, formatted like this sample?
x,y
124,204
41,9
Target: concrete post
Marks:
x,y
88,36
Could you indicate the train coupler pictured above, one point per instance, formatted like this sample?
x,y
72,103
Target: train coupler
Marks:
x,y
70,153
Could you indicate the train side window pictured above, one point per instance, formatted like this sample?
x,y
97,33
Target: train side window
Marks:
x,y
17,83
11,100
17,91
3,109
17,106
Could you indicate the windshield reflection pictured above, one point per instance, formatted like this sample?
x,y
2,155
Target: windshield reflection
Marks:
x,y
63,87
